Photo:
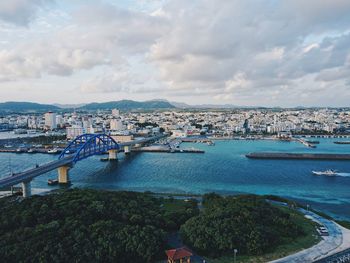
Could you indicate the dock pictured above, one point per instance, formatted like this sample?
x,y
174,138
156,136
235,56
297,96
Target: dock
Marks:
x,y
298,156
34,150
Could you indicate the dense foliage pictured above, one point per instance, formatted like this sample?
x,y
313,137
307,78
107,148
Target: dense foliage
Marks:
x,y
175,215
85,226
247,223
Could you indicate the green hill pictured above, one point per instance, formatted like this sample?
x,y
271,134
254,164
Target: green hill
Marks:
x,y
128,105
13,106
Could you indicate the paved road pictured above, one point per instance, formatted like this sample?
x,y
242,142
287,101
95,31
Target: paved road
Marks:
x,y
327,246
34,172
341,257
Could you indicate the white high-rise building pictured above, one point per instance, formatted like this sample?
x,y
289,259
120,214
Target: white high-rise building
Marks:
x,y
116,125
115,113
59,120
50,120
74,131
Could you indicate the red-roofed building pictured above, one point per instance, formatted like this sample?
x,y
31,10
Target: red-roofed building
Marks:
x,y
181,255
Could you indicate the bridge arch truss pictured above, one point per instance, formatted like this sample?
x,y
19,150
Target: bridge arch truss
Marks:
x,y
87,145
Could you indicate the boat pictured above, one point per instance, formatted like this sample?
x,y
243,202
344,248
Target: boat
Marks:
x,y
30,151
52,182
210,143
327,173
104,159
52,151
20,150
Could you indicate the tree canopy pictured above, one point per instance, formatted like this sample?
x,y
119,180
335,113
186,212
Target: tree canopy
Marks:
x,y
247,223
85,226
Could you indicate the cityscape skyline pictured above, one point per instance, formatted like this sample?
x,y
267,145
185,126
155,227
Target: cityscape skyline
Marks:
x,y
287,54
176,104
167,131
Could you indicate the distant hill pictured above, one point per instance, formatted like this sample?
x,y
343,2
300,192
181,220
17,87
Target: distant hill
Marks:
x,y
69,106
12,106
182,105
204,106
128,105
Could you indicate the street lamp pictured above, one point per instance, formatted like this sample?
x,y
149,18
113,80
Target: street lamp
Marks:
x,y
234,255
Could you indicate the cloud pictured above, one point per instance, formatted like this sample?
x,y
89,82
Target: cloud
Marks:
x,y
253,47
47,58
121,80
246,52
99,35
20,12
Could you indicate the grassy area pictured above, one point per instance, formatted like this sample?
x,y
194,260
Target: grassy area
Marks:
x,y
174,205
175,194
344,223
311,238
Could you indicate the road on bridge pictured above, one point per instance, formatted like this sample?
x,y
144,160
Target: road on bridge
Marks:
x,y
66,160
34,172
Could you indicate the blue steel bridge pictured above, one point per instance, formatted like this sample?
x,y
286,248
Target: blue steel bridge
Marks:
x,y
87,145
80,148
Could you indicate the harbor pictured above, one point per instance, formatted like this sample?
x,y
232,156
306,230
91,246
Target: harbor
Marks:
x,y
223,168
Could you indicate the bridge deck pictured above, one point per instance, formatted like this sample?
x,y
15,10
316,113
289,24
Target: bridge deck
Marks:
x,y
34,172
68,160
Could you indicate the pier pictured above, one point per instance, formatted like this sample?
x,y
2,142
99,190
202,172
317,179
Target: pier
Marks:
x,y
32,150
306,143
298,156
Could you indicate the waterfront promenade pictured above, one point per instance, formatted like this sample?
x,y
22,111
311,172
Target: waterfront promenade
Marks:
x,y
337,241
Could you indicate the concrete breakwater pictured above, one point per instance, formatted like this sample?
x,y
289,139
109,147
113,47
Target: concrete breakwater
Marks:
x,y
300,156
160,149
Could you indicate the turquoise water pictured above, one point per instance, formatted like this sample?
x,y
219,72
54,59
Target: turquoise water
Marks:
x,y
223,169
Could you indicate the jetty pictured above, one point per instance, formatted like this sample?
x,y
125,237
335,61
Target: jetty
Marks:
x,y
306,143
299,156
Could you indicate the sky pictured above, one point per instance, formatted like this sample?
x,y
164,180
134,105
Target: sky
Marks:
x,y
243,52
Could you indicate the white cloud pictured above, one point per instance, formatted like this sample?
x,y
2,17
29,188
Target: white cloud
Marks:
x,y
211,42
245,52
20,12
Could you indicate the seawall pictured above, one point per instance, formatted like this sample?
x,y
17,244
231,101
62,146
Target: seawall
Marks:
x,y
300,156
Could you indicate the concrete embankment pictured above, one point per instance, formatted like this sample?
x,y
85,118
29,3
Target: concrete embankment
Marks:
x,y
166,150
36,150
300,156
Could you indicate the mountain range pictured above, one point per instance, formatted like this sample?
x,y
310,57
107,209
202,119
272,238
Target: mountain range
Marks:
x,y
125,105
128,105
121,104
13,106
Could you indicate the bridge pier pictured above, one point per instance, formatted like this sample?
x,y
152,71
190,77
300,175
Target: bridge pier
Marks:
x,y
26,189
112,154
127,149
63,175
